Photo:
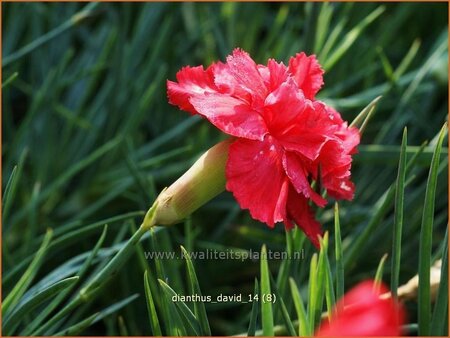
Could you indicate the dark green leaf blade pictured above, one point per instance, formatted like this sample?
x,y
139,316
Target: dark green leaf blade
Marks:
x,y
424,308
398,217
254,314
199,307
154,322
438,327
266,306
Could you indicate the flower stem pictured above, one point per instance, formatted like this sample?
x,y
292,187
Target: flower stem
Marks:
x,y
204,180
111,269
92,288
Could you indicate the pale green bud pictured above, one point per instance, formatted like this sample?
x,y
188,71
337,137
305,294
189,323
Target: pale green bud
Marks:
x,y
202,182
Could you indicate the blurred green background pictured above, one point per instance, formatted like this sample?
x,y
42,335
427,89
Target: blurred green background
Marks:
x,y
88,135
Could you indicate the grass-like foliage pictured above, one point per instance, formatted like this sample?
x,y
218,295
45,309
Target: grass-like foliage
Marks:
x,y
89,140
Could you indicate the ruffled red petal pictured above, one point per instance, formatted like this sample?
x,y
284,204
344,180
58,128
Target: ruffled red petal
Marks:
x,y
274,74
285,135
335,164
282,107
228,84
230,115
298,176
310,131
191,81
245,71
350,136
340,188
307,73
257,180
299,212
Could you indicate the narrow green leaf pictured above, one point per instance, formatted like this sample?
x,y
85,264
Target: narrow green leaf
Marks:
x,y
389,154
398,217
95,285
351,37
199,307
329,289
70,23
312,292
254,314
10,79
139,247
362,119
14,319
10,189
117,190
321,279
285,267
387,67
387,131
166,304
178,325
122,327
266,306
113,265
78,328
323,22
36,322
298,240
178,130
22,285
379,273
438,327
303,327
115,307
71,117
282,306
412,52
381,208
63,229
73,304
133,168
424,308
338,253
71,172
329,45
153,317
184,309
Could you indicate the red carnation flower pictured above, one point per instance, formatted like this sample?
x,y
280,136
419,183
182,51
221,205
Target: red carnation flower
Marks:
x,y
365,314
283,134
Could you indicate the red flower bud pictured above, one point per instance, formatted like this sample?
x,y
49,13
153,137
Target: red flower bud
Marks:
x,y
363,313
